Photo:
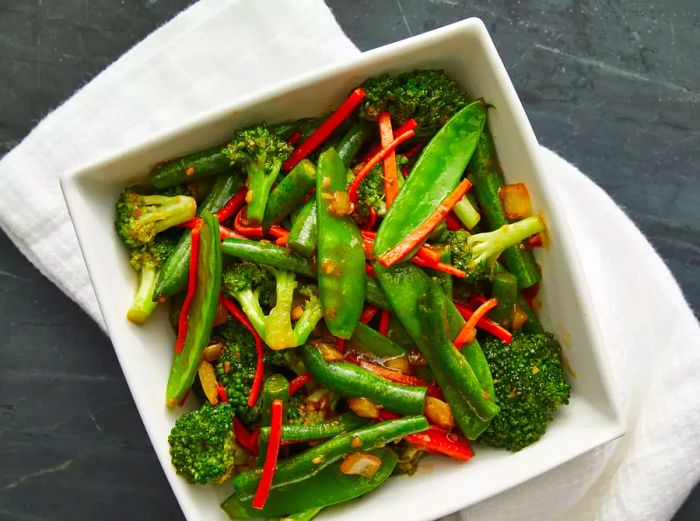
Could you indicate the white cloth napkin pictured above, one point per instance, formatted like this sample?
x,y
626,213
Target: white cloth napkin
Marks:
x,y
217,50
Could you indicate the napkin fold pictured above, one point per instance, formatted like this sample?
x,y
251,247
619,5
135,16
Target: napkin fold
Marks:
x,y
220,49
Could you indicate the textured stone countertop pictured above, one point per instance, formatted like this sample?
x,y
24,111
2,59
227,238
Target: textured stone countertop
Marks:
x,y
614,86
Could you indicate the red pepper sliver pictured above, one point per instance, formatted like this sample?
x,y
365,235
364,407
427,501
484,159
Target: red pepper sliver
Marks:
x,y
439,266
398,252
409,125
184,398
453,223
294,138
384,322
369,270
244,228
439,441
487,325
228,233
299,382
391,181
325,130
238,314
233,205
428,255
372,221
340,344
368,313
372,162
273,448
278,232
221,391
191,287
244,438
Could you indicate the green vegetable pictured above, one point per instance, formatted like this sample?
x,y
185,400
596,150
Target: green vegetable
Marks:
x,y
532,324
371,194
530,387
307,515
276,387
505,291
239,282
268,255
326,487
428,96
235,369
260,153
466,213
198,165
172,277
140,217
320,430
434,176
352,381
352,141
313,460
201,314
485,175
375,294
303,236
147,261
477,254
288,192
368,340
202,444
341,259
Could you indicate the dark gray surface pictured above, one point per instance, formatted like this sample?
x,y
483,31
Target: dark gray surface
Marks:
x,y
612,86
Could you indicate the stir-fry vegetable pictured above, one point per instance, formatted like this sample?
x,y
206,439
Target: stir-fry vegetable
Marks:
x,y
367,256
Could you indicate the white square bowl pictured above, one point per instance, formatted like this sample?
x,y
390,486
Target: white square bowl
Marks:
x,y
465,51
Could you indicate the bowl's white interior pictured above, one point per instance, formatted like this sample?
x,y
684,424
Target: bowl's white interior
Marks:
x,y
466,52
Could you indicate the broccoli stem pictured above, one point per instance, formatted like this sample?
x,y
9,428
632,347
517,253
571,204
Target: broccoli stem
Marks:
x,y
278,327
250,305
143,304
169,211
489,245
466,213
259,185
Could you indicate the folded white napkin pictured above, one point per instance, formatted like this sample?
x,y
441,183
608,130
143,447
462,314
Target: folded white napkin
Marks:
x,y
218,50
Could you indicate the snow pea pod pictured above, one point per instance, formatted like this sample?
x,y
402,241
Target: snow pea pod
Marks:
x,y
434,176
268,255
351,381
202,311
328,487
172,277
318,431
487,180
313,460
341,258
371,341
303,235
286,195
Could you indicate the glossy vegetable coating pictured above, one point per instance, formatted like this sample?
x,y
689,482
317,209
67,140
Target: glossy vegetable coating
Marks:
x,y
319,431
341,259
202,312
286,195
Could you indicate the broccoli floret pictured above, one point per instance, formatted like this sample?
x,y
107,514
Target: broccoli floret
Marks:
x,y
141,217
371,194
477,254
235,369
240,282
202,444
530,386
260,153
147,260
310,409
428,96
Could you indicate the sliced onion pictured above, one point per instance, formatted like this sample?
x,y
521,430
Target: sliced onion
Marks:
x,y
207,377
360,464
439,413
363,407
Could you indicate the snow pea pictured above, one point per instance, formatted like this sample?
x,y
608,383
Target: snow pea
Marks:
x,y
371,341
202,311
194,166
434,176
318,431
351,381
268,255
487,179
289,191
328,487
172,277
310,462
303,235
505,290
341,258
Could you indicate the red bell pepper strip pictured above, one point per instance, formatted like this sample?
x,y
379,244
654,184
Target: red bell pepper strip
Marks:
x,y
427,254
372,221
370,270
273,449
439,266
246,439
252,230
487,325
299,382
294,138
395,376
191,287
384,318
373,161
238,314
325,130
224,232
221,391
233,205
468,332
391,181
398,252
368,313
453,223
